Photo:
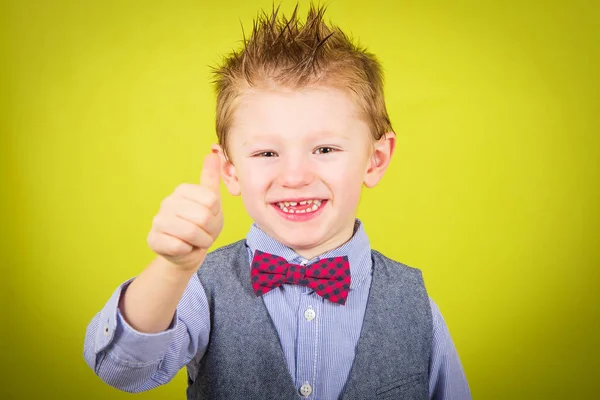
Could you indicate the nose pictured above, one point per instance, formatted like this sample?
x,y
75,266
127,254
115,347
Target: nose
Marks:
x,y
295,172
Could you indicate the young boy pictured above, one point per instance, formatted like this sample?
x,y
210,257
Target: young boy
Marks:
x,y
303,307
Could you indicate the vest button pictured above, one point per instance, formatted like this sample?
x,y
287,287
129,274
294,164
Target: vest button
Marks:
x,y
305,390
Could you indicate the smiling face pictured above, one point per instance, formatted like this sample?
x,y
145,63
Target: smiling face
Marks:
x,y
299,159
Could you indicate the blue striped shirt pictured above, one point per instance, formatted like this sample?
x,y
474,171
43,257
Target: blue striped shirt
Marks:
x,y
318,337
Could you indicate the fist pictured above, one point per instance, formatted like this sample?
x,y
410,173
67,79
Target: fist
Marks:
x,y
190,219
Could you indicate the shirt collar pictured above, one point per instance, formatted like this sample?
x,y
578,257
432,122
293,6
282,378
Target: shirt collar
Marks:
x,y
357,249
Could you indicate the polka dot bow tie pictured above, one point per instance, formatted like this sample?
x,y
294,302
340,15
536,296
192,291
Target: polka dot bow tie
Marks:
x,y
329,277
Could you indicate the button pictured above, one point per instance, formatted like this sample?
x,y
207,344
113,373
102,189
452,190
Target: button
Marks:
x,y
106,330
305,390
310,314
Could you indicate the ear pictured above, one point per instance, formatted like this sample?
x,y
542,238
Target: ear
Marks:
x,y
227,171
380,159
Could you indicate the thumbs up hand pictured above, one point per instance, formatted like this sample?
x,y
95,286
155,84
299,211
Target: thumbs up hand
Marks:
x,y
190,219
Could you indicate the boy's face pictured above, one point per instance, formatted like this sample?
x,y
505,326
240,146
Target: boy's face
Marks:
x,y
287,147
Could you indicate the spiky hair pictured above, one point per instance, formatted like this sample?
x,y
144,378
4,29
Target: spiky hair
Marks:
x,y
293,53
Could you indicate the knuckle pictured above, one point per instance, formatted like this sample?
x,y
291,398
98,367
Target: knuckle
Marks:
x,y
150,239
190,233
156,221
182,188
166,202
203,217
176,247
159,244
205,242
161,223
208,197
214,201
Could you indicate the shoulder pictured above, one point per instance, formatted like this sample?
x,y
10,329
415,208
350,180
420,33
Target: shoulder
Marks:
x,y
223,260
440,328
391,266
225,269
224,254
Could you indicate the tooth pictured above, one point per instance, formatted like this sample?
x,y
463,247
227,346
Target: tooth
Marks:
x,y
287,203
293,203
309,201
301,211
314,207
291,211
303,202
285,209
280,205
318,202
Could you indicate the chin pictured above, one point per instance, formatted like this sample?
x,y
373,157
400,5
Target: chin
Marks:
x,y
298,244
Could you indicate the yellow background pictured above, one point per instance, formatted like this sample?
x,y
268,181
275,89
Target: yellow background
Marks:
x,y
106,107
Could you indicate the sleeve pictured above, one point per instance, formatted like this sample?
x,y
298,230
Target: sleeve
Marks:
x,y
133,361
447,380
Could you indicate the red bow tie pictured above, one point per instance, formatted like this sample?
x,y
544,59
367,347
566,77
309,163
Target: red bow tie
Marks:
x,y
329,277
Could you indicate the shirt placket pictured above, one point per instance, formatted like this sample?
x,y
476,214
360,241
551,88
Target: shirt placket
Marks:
x,y
308,340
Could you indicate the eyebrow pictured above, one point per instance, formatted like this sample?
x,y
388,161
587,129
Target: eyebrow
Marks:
x,y
311,136
258,138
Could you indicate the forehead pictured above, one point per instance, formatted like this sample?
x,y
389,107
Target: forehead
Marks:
x,y
295,112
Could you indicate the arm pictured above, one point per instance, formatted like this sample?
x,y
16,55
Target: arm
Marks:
x,y
447,379
134,361
154,325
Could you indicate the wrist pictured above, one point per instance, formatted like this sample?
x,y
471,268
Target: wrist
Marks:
x,y
172,272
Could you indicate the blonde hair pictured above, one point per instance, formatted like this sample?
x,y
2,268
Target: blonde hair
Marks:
x,y
295,54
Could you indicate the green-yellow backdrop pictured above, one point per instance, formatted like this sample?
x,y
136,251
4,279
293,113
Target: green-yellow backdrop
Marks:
x,y
106,106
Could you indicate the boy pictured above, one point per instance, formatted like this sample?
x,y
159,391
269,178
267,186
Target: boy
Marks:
x,y
303,308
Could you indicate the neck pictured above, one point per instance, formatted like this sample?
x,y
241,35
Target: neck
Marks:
x,y
335,242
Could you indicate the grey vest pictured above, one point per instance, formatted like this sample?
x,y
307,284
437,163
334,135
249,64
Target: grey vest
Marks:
x,y
245,360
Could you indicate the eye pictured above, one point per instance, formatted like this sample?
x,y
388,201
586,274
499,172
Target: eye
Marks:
x,y
265,154
324,150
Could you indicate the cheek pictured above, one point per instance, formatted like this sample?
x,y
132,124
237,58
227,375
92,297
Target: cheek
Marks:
x,y
253,181
345,183
350,173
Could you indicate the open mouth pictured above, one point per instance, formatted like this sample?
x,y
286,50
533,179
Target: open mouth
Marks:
x,y
300,207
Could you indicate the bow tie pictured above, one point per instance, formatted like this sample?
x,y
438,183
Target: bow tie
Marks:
x,y
329,277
